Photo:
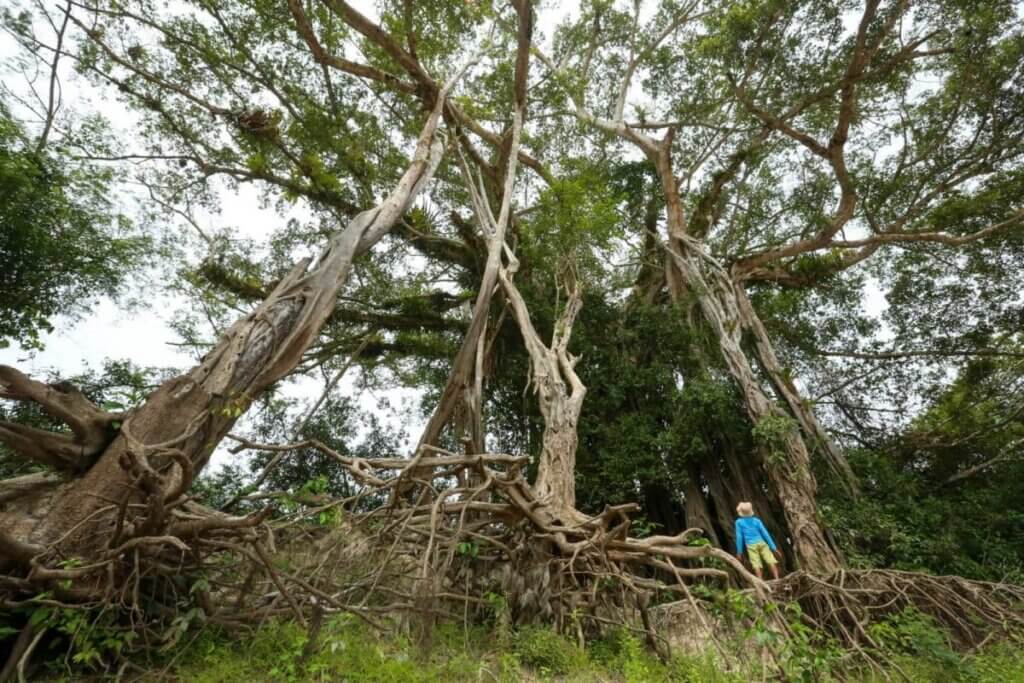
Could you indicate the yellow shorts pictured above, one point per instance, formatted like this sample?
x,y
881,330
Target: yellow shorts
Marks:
x,y
758,552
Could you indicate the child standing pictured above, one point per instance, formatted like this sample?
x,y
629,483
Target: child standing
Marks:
x,y
752,536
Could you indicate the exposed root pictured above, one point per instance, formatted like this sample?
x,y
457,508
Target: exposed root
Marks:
x,y
444,536
846,603
435,536
466,525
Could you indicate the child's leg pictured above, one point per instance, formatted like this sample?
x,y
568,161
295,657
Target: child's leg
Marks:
x,y
754,555
770,560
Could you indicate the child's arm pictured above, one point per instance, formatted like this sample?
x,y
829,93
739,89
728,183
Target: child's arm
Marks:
x,y
767,536
739,541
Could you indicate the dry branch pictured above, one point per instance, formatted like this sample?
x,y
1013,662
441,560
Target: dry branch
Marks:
x,y
91,427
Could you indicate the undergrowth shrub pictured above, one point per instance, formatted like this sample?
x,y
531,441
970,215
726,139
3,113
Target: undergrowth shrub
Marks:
x,y
923,652
349,651
622,651
345,651
912,632
1000,663
546,651
802,654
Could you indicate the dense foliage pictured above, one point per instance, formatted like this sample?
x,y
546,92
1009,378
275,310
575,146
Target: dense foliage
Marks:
x,y
943,495
63,241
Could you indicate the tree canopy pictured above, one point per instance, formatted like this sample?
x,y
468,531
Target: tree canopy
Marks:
x,y
63,243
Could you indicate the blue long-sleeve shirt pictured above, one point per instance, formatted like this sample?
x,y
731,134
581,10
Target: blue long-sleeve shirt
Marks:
x,y
750,530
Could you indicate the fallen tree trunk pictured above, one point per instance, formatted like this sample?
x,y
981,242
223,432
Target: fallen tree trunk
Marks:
x,y
129,489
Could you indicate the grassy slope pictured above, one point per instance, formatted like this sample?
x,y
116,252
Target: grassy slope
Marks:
x,y
347,651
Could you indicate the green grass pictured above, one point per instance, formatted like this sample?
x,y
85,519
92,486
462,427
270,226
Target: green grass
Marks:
x,y
1003,663
349,651
345,652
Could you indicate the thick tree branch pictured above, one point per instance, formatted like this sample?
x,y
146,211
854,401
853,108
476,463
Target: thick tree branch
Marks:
x,y
786,276
28,485
439,247
896,355
90,426
426,311
61,401
858,69
1008,451
59,451
856,250
428,87
305,29
939,237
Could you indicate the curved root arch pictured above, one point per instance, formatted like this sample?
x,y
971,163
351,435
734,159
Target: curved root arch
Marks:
x,y
444,544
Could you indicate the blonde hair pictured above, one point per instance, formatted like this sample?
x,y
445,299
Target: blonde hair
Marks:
x,y
745,509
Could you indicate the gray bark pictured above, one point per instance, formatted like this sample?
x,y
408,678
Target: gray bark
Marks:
x,y
169,439
697,514
791,478
560,392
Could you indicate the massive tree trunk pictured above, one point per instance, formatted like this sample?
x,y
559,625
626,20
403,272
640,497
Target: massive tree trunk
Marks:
x,y
723,503
790,475
163,444
720,300
697,514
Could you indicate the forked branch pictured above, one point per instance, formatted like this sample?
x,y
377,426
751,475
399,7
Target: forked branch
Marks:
x,y
91,427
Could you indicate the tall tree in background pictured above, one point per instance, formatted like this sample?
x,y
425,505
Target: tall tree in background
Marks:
x,y
62,241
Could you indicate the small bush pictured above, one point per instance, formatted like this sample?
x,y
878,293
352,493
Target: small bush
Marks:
x,y
546,651
912,632
622,652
